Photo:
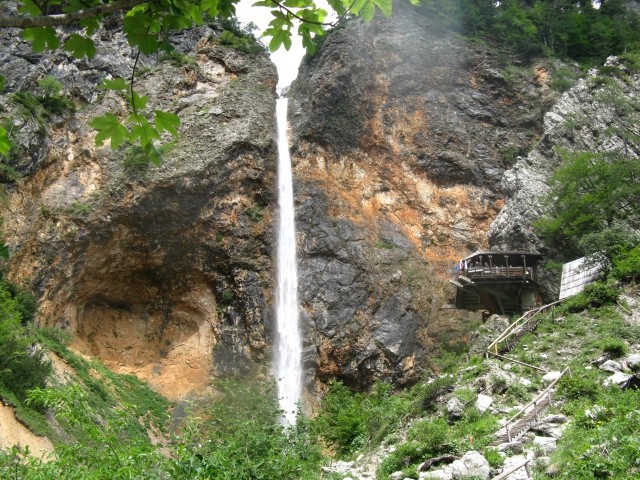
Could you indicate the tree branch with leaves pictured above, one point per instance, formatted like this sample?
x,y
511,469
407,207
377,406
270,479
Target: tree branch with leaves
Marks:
x,y
147,26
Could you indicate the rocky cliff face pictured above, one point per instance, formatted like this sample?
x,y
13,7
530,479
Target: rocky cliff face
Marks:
x,y
599,114
401,136
162,272
403,141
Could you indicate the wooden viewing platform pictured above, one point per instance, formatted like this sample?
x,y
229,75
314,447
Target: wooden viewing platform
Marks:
x,y
498,282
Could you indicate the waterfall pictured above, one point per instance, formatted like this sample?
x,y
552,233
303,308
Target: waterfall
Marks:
x,y
288,367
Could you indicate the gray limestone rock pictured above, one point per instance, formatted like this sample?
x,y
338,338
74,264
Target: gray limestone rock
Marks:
x,y
472,464
633,362
483,402
513,462
618,378
454,408
545,445
611,366
511,447
444,473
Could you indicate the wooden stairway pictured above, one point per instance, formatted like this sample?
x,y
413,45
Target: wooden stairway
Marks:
x,y
525,418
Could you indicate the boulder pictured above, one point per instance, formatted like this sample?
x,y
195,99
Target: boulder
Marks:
x,y
551,376
511,447
619,378
633,362
483,402
472,464
455,408
445,473
611,366
546,445
551,426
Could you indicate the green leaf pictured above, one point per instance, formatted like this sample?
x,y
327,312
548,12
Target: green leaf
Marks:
x,y
167,122
308,44
30,8
80,46
91,25
137,101
357,6
280,20
280,37
3,82
143,130
109,127
41,38
385,6
137,28
367,11
338,6
5,143
153,154
211,7
117,84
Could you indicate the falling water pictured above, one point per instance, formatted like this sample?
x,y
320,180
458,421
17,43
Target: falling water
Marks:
x,y
288,370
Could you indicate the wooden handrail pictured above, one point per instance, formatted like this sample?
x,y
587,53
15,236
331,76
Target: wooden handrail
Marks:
x,y
519,362
506,473
519,323
533,402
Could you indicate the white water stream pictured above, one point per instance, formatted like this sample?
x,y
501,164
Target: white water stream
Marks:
x,y
288,367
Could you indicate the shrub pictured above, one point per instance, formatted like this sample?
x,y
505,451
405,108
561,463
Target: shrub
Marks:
x,y
578,387
614,347
433,435
595,295
626,266
23,365
348,420
342,420
239,436
600,294
431,392
404,456
563,79
493,457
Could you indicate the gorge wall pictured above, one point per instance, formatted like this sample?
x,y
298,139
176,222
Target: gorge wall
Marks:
x,y
402,134
406,142
599,114
164,272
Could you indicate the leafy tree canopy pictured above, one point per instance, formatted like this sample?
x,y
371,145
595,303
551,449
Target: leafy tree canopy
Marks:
x,y
593,204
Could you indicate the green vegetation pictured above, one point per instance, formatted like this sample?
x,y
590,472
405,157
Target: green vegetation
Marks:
x,y
178,59
23,365
563,79
432,437
594,295
349,421
238,436
46,102
240,37
137,160
593,204
255,214
563,29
